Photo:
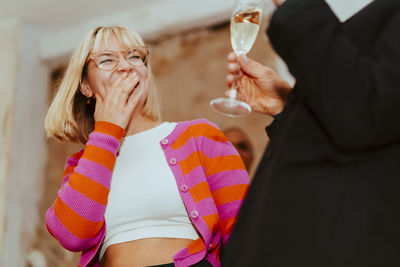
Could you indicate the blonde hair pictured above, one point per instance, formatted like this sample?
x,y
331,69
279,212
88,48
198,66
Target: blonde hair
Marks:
x,y
70,118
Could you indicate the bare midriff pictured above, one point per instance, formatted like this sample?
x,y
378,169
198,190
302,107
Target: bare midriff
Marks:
x,y
143,252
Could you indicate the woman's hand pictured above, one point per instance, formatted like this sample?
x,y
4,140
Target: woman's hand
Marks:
x,y
122,101
258,85
278,2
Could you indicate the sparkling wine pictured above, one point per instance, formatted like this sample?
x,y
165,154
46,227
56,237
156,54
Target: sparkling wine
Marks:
x,y
245,24
244,29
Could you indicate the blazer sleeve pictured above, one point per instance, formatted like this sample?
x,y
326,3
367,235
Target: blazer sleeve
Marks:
x,y
353,92
76,218
227,178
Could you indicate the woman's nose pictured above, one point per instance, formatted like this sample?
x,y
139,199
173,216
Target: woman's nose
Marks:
x,y
124,65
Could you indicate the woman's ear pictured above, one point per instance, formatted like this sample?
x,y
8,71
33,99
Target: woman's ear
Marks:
x,y
85,89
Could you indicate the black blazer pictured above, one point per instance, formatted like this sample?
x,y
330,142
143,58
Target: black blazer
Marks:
x,y
327,191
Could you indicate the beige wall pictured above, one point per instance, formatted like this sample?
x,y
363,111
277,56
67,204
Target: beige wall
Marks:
x,y
9,32
28,147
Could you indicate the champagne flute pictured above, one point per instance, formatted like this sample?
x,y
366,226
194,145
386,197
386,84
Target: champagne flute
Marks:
x,y
245,23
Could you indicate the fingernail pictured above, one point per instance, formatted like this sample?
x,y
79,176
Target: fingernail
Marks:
x,y
244,58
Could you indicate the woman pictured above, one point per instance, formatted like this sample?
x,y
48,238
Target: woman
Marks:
x,y
169,196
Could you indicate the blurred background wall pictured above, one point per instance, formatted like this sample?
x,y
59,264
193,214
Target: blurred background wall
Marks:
x,y
189,42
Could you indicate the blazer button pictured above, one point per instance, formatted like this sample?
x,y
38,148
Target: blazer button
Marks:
x,y
194,214
164,142
184,188
172,161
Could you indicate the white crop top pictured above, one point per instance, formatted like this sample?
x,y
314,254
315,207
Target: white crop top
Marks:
x,y
144,200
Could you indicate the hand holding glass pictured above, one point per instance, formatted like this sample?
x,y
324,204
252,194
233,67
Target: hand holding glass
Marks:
x,y
245,23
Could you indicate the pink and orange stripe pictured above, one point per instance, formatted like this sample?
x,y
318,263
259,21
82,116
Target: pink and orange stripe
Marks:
x,y
209,173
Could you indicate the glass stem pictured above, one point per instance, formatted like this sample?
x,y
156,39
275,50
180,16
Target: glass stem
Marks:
x,y
232,93
233,90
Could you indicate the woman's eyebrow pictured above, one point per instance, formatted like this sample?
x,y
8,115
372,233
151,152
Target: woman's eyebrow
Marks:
x,y
106,53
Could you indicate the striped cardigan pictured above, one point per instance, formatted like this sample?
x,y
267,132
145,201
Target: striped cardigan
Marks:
x,y
210,175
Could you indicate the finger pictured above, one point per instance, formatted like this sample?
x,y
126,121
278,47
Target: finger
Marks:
x,y
119,79
232,57
251,67
135,98
134,84
239,75
230,79
129,84
115,86
232,68
126,86
132,96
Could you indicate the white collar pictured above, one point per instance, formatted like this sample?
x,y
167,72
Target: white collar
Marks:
x,y
345,9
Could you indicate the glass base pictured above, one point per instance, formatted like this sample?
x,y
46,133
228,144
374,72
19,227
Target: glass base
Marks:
x,y
230,107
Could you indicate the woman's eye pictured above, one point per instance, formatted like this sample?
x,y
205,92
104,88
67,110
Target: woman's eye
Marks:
x,y
107,60
134,56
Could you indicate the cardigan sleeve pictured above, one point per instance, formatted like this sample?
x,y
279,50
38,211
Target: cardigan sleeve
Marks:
x,y
352,89
76,218
228,180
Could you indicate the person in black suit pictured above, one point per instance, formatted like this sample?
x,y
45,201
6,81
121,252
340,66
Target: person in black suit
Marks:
x,y
326,193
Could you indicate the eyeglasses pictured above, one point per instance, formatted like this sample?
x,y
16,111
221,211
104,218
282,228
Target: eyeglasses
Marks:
x,y
109,60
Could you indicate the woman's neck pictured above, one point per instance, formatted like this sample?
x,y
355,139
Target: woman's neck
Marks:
x,y
140,123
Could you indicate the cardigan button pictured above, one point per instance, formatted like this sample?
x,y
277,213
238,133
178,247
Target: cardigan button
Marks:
x,y
172,161
164,142
194,214
184,188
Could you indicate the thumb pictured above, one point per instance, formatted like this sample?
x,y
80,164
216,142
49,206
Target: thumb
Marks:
x,y
250,67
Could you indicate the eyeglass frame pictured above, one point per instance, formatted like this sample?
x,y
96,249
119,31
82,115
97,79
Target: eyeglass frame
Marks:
x,y
92,56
